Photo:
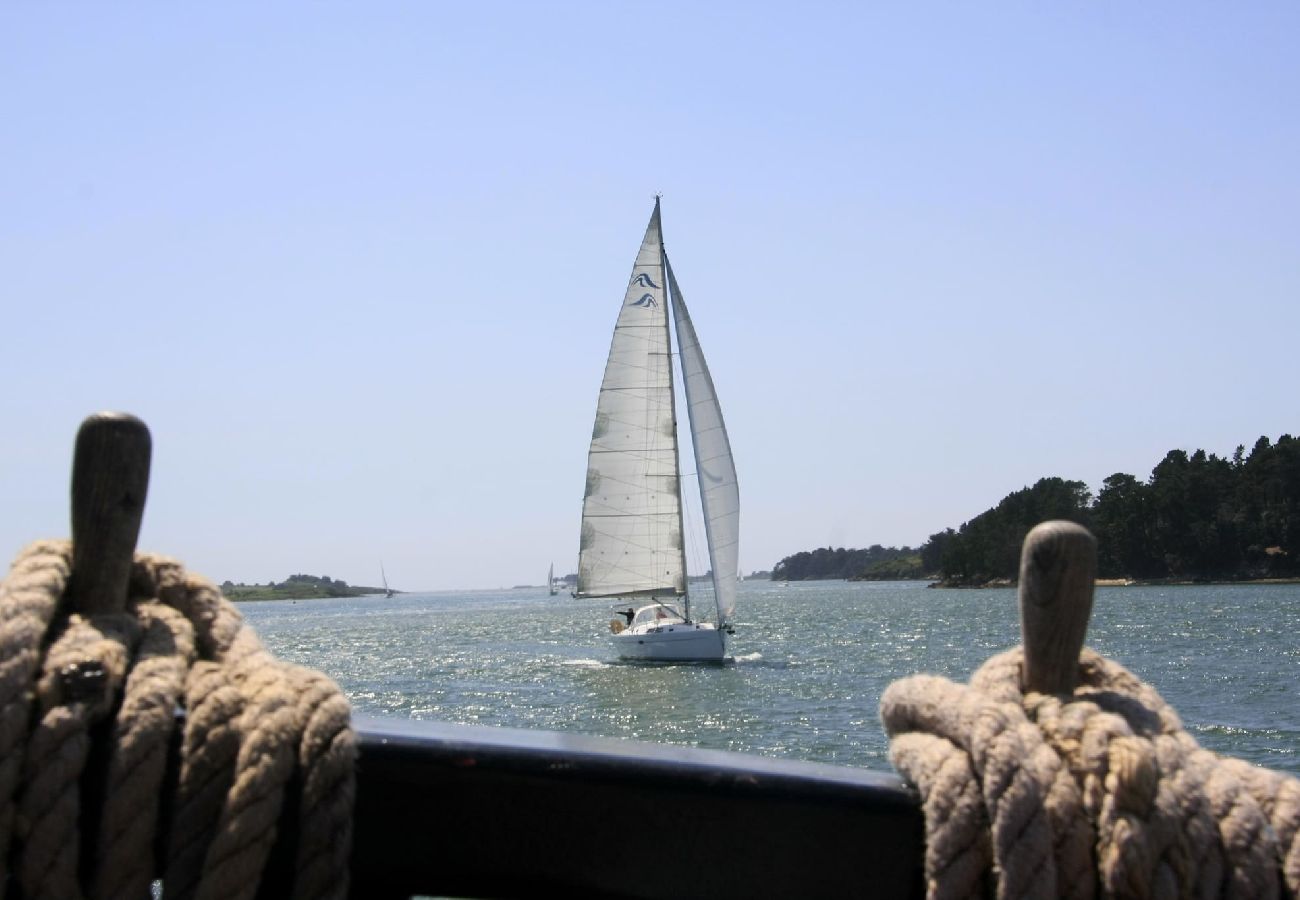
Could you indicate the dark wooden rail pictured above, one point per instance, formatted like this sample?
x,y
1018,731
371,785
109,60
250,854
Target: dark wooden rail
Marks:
x,y
470,811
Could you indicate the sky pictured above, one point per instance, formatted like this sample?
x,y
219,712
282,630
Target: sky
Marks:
x,y
357,265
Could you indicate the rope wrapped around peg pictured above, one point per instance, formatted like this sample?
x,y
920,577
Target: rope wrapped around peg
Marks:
x,y
1095,793
93,801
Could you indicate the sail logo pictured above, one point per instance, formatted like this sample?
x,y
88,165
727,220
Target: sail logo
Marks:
x,y
643,280
646,302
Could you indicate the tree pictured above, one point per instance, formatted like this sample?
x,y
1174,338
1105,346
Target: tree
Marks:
x,y
1120,518
988,546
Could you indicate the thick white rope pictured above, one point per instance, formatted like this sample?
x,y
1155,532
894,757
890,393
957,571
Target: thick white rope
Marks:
x,y
1102,793
88,711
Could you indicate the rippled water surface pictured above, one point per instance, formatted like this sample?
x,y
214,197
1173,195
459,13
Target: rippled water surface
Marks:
x,y
811,661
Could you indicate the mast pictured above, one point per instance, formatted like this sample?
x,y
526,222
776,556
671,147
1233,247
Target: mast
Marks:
x,y
672,409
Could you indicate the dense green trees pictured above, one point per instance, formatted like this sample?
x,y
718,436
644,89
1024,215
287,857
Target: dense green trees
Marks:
x,y
296,587
825,562
988,546
1197,517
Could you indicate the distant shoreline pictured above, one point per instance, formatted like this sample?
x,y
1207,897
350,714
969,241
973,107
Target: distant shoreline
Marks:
x,y
1124,582
259,593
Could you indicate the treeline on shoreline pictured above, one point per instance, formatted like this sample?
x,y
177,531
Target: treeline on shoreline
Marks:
x,y
1198,517
875,562
295,587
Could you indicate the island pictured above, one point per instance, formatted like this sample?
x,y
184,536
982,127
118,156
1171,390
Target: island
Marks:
x,y
296,587
1199,518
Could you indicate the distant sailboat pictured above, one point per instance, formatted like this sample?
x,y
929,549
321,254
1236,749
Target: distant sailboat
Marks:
x,y
631,546
388,592
550,579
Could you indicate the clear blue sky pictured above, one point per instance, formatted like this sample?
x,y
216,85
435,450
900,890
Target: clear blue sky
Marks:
x,y
357,264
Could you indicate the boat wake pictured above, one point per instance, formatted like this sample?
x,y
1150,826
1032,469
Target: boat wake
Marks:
x,y
757,661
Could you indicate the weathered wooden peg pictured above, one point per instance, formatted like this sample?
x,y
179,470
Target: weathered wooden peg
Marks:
x,y
1058,571
110,478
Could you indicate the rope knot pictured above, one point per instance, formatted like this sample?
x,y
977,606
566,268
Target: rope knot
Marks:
x,y
1134,776
1095,791
253,730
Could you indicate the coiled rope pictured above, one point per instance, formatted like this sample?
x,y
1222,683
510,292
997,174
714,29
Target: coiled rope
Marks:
x,y
1090,790
90,706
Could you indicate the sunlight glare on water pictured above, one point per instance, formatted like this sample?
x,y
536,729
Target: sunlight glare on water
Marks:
x,y
810,662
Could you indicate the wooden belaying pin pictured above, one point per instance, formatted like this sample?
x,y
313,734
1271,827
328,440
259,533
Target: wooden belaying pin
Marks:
x,y
1058,571
110,478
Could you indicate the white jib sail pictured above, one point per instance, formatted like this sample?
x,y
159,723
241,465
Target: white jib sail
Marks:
x,y
719,492
631,513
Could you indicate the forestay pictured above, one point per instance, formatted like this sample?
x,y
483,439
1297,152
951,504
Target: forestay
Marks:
x,y
719,492
631,514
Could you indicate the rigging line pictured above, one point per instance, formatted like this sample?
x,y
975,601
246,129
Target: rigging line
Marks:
x,y
646,512
692,536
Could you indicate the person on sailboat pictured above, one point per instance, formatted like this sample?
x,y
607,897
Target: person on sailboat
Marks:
x,y
629,613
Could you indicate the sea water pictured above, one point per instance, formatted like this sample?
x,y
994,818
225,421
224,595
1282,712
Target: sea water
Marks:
x,y
811,661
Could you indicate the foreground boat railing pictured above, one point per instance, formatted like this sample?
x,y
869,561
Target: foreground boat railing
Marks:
x,y
472,811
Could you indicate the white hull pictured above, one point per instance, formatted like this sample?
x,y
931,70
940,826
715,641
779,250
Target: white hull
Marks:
x,y
679,642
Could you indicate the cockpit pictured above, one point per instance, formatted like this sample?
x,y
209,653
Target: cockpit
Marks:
x,y
658,614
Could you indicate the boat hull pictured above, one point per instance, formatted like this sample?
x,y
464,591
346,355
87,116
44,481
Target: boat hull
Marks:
x,y
679,642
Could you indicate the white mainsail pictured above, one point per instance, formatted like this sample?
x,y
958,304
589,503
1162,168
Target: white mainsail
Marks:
x,y
631,513
719,492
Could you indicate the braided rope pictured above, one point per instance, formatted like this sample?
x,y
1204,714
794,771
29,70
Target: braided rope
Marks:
x,y
88,714
1099,793
28,599
138,755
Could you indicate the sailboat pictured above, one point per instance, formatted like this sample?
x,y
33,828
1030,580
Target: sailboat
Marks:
x,y
388,592
550,579
631,546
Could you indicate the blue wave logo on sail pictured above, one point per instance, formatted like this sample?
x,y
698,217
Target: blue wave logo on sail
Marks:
x,y
643,280
646,302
